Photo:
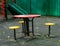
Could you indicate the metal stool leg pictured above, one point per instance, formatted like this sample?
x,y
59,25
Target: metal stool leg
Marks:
x,y
23,29
49,32
14,34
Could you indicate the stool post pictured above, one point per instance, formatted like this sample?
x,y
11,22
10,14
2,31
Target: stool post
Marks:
x,y
14,34
24,28
49,31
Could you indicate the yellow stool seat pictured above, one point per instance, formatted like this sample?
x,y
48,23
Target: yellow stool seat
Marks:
x,y
21,22
14,27
49,24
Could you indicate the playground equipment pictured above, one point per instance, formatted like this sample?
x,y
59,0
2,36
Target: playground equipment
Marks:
x,y
15,9
3,9
12,7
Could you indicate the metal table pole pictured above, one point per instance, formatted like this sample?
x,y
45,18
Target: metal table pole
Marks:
x,y
32,27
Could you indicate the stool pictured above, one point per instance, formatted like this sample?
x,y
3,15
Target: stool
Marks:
x,y
21,22
14,28
23,28
49,24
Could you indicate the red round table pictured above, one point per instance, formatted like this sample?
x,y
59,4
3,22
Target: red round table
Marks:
x,y
26,22
26,16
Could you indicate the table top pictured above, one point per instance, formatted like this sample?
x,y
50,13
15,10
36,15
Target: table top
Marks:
x,y
26,16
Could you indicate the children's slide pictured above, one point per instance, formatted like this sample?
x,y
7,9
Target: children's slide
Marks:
x,y
15,9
